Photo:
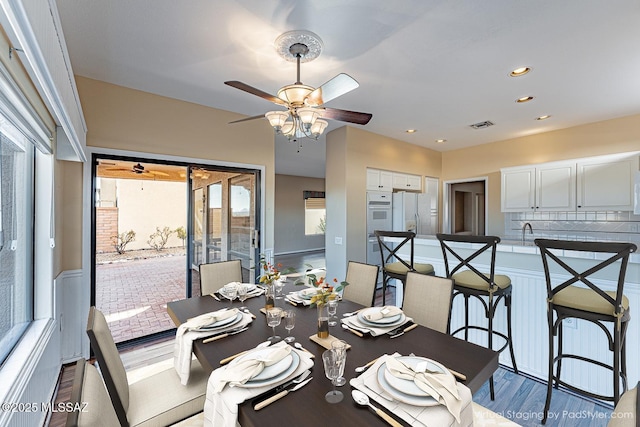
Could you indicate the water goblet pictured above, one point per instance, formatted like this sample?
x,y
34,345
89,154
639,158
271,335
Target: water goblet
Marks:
x,y
289,324
274,317
331,371
332,308
340,347
242,295
230,290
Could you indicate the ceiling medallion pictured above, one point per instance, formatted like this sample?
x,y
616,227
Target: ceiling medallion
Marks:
x,y
310,43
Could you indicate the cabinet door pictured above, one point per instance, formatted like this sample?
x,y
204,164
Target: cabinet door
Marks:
x,y
386,181
556,187
399,181
403,181
378,180
606,185
518,190
414,182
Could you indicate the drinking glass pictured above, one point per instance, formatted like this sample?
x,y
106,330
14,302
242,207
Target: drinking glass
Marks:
x,y
278,285
242,295
332,370
332,308
274,317
230,291
340,347
289,324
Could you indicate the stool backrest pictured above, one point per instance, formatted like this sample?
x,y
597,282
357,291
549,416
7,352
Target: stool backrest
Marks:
x,y
456,263
389,250
617,253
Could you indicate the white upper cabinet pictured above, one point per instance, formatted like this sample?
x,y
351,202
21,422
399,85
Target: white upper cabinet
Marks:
x,y
606,184
548,187
406,182
594,184
378,180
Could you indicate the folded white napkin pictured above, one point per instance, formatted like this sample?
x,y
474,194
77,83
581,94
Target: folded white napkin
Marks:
x,y
442,386
425,416
221,408
354,323
191,331
386,311
247,368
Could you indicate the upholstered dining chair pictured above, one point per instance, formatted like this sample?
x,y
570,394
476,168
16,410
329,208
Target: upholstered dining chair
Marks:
x,y
159,399
428,300
395,263
573,291
485,286
88,395
627,411
362,279
215,275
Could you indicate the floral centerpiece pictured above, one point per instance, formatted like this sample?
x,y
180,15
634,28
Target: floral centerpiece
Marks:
x,y
325,292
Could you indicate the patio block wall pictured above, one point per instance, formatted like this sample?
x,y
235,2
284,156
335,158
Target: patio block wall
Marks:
x,y
106,228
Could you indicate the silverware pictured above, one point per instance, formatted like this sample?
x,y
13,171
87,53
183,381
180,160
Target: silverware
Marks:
x,y
230,358
407,329
215,297
353,313
400,328
281,394
224,334
362,399
364,367
353,331
274,391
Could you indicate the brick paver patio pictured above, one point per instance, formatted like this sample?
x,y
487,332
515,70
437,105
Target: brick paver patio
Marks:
x,y
133,294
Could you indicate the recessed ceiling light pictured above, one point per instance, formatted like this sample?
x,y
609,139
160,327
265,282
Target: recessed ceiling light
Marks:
x,y
441,141
411,130
520,71
546,116
524,99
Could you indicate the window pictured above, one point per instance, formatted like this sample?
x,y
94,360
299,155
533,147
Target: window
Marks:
x,y
315,216
17,156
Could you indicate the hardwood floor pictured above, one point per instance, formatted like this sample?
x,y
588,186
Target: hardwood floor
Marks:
x,y
518,397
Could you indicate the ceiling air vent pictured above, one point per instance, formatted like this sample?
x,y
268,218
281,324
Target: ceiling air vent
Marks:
x,y
482,125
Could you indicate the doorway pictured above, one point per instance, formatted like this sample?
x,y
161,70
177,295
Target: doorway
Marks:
x,y
153,224
465,207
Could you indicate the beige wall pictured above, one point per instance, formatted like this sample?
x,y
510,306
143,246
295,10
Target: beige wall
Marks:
x,y
124,119
290,214
69,215
606,137
350,151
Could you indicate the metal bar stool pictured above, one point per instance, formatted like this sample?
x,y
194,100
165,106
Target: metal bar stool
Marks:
x,y
588,302
469,281
394,266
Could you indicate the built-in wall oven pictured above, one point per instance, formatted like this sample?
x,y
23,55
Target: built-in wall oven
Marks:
x,y
378,218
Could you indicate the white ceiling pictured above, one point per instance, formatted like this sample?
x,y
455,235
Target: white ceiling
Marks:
x,y
437,66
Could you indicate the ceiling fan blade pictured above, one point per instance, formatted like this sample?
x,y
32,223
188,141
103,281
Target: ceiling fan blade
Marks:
x,y
337,86
246,119
347,116
252,90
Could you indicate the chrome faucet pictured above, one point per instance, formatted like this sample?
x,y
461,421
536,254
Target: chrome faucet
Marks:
x,y
524,227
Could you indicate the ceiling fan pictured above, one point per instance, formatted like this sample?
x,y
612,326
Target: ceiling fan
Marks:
x,y
304,104
138,169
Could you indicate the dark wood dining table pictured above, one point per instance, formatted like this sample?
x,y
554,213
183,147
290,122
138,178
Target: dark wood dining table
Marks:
x,y
307,406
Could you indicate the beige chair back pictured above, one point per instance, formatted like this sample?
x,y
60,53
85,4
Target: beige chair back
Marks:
x,y
362,279
427,300
627,410
90,399
111,367
214,276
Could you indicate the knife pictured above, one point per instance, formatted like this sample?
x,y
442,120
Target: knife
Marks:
x,y
225,334
282,394
399,329
407,329
275,390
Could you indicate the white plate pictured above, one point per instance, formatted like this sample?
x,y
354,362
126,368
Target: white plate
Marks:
x,y
293,362
307,293
383,321
400,321
408,386
399,395
229,321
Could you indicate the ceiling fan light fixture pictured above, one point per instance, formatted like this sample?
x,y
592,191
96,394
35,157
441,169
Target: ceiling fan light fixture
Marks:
x,y
295,94
308,116
318,127
277,119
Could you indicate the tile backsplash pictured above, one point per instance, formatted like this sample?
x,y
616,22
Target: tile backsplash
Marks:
x,y
601,226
